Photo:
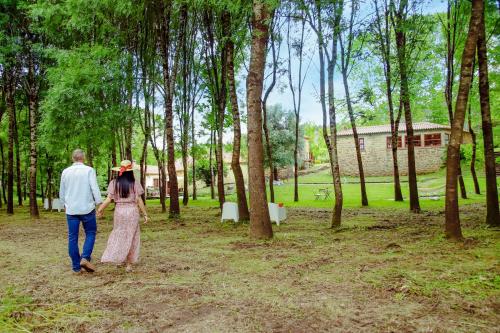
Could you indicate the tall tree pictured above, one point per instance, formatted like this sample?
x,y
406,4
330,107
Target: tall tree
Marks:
x,y
346,40
399,17
188,88
297,47
477,189
492,206
274,44
260,223
325,26
216,59
170,52
383,38
452,220
244,214
452,12
10,89
32,88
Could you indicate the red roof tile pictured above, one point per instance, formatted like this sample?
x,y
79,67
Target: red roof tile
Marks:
x,y
387,128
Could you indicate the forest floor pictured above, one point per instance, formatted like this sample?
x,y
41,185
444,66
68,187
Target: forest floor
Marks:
x,y
384,270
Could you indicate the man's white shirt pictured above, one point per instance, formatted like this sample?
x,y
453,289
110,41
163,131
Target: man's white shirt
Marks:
x,y
79,192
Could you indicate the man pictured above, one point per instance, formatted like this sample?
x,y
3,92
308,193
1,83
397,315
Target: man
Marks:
x,y
80,194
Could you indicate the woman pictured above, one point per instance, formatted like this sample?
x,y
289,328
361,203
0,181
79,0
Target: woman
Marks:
x,y
124,241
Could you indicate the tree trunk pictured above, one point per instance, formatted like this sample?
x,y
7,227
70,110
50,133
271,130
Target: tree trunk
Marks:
x,y
25,184
113,153
212,177
19,182
269,148
330,141
492,207
398,195
217,82
144,166
128,141
412,172
296,161
450,77
33,111
184,133
11,110
235,160
477,190
299,44
260,223
364,197
174,209
385,46
185,194
268,151
162,182
4,197
452,220
193,153
90,156
339,198
169,74
49,185
219,147
41,185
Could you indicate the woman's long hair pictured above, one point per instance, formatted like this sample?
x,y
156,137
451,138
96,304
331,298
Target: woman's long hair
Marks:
x,y
124,184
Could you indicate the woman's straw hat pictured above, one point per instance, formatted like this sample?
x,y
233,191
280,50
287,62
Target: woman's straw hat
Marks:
x,y
125,166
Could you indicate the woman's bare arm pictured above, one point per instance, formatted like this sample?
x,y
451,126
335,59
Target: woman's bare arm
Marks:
x,y
142,208
103,206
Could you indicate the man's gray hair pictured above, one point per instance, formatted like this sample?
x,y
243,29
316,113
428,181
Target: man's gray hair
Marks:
x,y
78,155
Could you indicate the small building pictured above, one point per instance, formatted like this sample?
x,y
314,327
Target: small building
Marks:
x,y
430,142
153,178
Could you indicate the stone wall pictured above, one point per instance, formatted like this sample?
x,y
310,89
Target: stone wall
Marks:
x,y
377,158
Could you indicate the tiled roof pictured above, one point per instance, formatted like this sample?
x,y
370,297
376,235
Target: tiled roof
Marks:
x,y
387,128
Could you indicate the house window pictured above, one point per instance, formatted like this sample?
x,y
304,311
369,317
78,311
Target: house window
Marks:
x,y
446,139
389,142
432,139
156,182
417,140
361,144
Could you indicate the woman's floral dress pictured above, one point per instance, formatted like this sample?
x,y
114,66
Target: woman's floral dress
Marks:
x,y
124,241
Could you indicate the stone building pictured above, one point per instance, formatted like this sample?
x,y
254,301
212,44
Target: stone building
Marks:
x,y
430,141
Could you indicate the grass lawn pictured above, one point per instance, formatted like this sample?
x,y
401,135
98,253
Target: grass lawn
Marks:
x,y
380,191
385,270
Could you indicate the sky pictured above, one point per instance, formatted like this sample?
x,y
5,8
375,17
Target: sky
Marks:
x,y
311,108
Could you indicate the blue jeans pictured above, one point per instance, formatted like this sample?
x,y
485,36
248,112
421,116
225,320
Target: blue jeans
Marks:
x,y
90,227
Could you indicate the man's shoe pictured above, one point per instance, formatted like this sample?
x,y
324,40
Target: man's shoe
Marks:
x,y
77,272
87,265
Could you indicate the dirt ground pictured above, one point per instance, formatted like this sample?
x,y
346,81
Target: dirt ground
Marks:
x,y
383,271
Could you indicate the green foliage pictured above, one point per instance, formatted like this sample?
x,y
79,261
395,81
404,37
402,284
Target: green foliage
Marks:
x,y
317,144
79,105
281,126
203,170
